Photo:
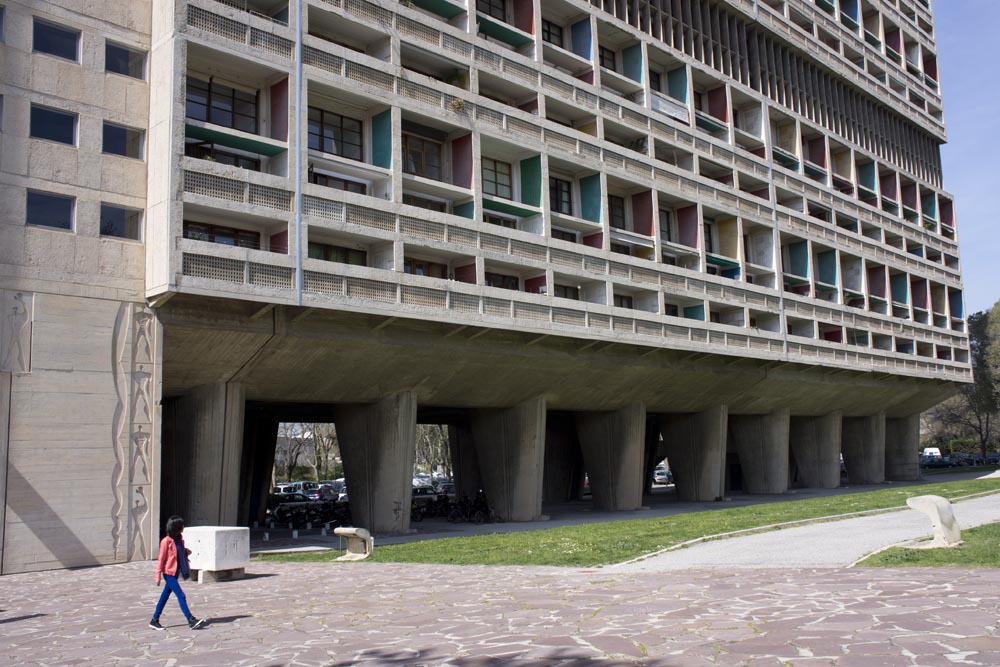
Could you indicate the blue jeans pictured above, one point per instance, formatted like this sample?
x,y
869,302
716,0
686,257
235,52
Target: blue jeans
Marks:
x,y
171,585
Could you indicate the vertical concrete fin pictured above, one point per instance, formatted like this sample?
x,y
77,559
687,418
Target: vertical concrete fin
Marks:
x,y
815,445
902,448
5,392
232,452
863,444
761,441
696,452
613,445
464,462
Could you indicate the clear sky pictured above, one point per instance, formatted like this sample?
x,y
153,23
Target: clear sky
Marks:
x,y
968,45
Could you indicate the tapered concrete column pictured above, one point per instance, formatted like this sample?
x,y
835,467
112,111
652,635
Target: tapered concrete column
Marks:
x,y
510,445
377,444
563,460
815,444
464,461
902,448
863,444
260,435
613,445
761,441
696,450
207,451
5,388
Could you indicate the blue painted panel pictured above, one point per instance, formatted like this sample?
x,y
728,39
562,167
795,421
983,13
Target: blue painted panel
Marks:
x,y
677,84
695,313
580,33
382,139
632,62
590,198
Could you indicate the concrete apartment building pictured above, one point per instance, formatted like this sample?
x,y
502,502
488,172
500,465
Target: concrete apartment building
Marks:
x,y
583,235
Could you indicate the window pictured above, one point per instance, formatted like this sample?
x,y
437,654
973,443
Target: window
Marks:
x,y
566,292
655,82
339,254
123,60
332,133
497,178
552,33
624,301
47,210
607,58
621,249
200,231
668,228
495,8
499,220
560,195
2,16
208,151
421,157
55,40
123,223
120,140
502,281
221,105
708,234
564,235
420,267
337,183
616,211
53,125
673,310
423,202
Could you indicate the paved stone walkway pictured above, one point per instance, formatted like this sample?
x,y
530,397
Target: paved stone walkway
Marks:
x,y
371,614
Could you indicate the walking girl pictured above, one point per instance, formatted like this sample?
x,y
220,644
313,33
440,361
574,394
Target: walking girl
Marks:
x,y
171,564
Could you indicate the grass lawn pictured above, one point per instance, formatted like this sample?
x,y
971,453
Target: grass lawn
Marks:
x,y
616,541
981,549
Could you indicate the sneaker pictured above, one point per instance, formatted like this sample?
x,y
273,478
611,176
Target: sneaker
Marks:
x,y
195,623
155,624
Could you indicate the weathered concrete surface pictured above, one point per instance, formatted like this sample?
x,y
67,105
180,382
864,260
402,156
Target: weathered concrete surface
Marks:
x,y
696,448
863,446
815,446
464,462
371,614
761,441
902,448
613,445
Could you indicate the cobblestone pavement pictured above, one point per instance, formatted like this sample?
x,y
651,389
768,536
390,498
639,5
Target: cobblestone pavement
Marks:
x,y
340,614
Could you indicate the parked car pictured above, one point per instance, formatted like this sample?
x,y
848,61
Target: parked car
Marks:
x,y
662,476
424,494
282,489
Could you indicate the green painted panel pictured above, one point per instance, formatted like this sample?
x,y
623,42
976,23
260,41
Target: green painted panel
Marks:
x,y
719,260
590,198
798,256
507,207
677,84
900,285
223,138
440,7
466,210
632,62
382,139
502,31
695,313
827,267
531,181
866,175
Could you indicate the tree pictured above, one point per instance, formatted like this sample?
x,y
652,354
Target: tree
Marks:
x,y
325,450
289,449
432,448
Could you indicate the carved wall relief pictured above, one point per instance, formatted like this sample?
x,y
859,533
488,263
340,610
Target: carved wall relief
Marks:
x,y
16,314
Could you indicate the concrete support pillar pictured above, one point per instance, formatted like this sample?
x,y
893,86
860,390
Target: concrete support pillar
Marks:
x,y
464,462
377,443
863,444
563,460
510,445
207,449
5,391
696,450
260,437
761,441
613,445
815,444
902,448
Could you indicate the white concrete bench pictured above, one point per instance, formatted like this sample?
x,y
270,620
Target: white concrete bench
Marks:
x,y
938,509
218,553
359,543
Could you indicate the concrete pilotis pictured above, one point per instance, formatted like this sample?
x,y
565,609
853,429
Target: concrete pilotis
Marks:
x,y
696,450
761,442
863,445
815,445
510,446
260,432
377,446
463,460
902,448
4,440
563,460
613,445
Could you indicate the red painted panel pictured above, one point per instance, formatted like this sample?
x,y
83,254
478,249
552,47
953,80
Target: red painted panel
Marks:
x,y
687,224
833,336
535,285
817,151
279,242
876,281
461,161
586,76
642,213
279,110
524,16
717,103
594,240
466,274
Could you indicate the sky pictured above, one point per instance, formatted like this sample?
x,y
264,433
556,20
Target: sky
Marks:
x,y
968,44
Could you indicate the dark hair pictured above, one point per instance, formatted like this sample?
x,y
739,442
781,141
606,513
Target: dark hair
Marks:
x,y
175,525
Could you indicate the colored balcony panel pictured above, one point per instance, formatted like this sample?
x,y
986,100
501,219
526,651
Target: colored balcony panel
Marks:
x,y
443,8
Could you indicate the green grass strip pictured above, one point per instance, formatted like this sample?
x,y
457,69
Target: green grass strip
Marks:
x,y
594,544
981,549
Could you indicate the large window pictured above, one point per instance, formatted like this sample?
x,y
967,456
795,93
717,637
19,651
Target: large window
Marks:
x,y
561,195
53,125
616,211
123,60
502,281
425,203
48,210
499,220
215,103
55,40
337,183
122,223
200,231
339,254
497,178
624,301
552,33
422,267
565,235
607,58
668,228
566,292
208,151
332,133
495,8
421,156
120,140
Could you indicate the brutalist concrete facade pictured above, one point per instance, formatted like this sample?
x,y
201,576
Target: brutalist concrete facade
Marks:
x,y
585,236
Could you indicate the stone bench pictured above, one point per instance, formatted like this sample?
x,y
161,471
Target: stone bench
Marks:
x,y
943,523
218,553
359,543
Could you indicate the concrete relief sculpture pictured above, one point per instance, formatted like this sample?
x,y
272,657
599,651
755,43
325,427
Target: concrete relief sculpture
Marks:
x,y
138,523
16,312
140,456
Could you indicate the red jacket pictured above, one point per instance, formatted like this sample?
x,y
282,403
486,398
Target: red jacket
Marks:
x,y
167,561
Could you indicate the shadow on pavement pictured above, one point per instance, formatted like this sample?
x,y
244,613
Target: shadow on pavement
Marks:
x,y
21,618
219,620
556,658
